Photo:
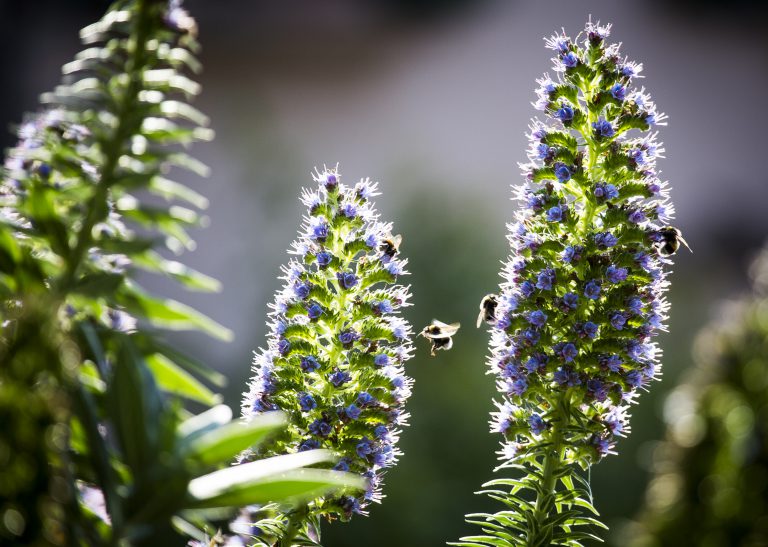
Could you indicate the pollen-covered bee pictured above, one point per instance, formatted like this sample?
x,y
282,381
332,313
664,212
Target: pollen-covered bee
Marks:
x,y
670,241
439,334
488,306
390,245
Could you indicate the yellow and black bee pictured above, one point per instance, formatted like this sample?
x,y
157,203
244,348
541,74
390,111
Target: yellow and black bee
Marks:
x,y
671,238
439,334
488,306
390,245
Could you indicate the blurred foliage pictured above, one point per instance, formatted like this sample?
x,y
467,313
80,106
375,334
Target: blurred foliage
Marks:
x,y
96,447
710,482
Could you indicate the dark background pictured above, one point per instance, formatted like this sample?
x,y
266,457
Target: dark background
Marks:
x,y
432,98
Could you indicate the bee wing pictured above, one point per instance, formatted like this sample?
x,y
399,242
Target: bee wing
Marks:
x,y
480,317
684,242
397,240
446,329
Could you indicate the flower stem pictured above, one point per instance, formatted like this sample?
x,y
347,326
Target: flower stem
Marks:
x,y
295,519
553,461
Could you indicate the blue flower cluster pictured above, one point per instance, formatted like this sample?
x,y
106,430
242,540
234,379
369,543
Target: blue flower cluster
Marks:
x,y
583,290
337,345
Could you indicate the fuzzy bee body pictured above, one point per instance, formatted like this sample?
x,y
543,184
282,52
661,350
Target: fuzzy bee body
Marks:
x,y
439,334
488,306
390,245
670,241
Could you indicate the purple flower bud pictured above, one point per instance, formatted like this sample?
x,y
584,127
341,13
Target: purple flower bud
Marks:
x,y
309,364
570,60
564,113
619,92
314,310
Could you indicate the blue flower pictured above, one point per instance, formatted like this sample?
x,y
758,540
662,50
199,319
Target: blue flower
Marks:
x,y
381,360
615,274
564,113
562,172
537,318
309,364
555,214
348,210
320,231
339,377
592,289
572,253
347,280
527,288
320,427
605,240
364,447
283,346
570,60
347,337
309,444
323,258
618,320
537,424
637,216
603,128
587,329
619,92
302,290
352,412
365,399
545,279
307,402
314,310
570,302
518,386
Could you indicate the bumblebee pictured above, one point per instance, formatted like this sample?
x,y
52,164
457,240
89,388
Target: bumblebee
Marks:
x,y
670,241
390,245
488,306
440,334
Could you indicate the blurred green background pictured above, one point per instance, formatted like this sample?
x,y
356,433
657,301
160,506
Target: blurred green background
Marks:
x,y
432,98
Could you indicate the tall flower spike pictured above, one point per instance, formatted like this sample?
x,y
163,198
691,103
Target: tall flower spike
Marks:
x,y
583,292
337,345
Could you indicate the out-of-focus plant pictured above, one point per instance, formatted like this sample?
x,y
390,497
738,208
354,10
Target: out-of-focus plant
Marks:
x,y
95,446
583,293
334,361
710,481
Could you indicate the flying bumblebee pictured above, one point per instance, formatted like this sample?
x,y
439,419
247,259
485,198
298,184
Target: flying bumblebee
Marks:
x,y
390,245
488,306
671,238
439,334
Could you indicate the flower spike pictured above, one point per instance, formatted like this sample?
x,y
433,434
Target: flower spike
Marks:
x,y
335,354
582,295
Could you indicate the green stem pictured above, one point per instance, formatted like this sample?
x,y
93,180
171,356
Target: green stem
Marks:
x,y
295,520
553,461
112,148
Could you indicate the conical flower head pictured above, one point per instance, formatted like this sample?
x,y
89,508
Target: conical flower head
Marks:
x,y
337,344
583,290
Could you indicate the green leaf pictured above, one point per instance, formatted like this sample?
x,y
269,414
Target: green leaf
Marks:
x,y
222,444
291,487
98,284
173,315
173,190
203,422
190,278
173,379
